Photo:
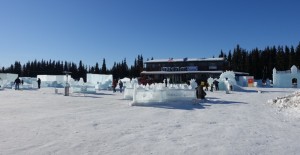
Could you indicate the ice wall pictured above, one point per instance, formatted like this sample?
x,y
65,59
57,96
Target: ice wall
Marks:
x,y
129,87
58,81
157,92
83,89
28,83
8,79
2,84
101,81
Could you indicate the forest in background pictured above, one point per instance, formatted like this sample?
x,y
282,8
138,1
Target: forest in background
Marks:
x,y
52,67
261,62
257,62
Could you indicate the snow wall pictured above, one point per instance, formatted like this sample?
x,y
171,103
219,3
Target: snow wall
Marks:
x,y
286,79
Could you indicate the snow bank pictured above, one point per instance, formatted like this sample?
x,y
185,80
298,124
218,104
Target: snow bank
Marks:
x,y
289,102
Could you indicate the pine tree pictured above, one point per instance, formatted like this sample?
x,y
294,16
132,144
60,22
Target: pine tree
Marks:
x,y
236,59
229,59
17,68
280,59
255,62
96,69
221,55
287,58
292,57
297,56
104,69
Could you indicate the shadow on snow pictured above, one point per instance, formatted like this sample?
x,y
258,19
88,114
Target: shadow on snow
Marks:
x,y
188,105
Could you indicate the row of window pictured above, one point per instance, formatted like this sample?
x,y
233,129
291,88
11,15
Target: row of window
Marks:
x,y
154,65
188,68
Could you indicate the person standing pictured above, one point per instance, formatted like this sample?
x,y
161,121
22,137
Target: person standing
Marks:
x,y
216,83
39,83
200,93
17,83
166,82
114,85
121,86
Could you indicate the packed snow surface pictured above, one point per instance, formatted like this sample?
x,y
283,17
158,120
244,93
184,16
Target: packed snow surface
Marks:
x,y
39,122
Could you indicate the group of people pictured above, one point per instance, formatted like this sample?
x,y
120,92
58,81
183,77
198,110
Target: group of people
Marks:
x,y
18,81
115,83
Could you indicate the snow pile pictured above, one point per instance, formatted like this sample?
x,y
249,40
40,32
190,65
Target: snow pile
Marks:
x,y
287,102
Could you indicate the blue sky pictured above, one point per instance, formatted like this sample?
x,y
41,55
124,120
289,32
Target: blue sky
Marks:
x,y
90,30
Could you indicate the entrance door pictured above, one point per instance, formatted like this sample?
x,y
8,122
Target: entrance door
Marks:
x,y
294,82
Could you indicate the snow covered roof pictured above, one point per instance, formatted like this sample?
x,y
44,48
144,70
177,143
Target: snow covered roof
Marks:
x,y
185,60
190,72
180,72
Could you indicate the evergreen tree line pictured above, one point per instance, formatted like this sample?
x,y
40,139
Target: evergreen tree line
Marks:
x,y
51,67
260,63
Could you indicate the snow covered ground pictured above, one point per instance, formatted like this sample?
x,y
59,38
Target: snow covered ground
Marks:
x,y
243,122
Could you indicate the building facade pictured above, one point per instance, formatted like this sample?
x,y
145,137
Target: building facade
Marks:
x,y
182,70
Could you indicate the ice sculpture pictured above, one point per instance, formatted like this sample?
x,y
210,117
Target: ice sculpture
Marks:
x,y
227,79
100,81
157,92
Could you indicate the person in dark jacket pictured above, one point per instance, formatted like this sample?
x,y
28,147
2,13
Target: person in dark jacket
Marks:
x,y
39,83
17,83
200,93
121,86
216,83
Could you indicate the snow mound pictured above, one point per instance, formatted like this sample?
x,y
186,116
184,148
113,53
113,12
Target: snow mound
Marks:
x,y
289,102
